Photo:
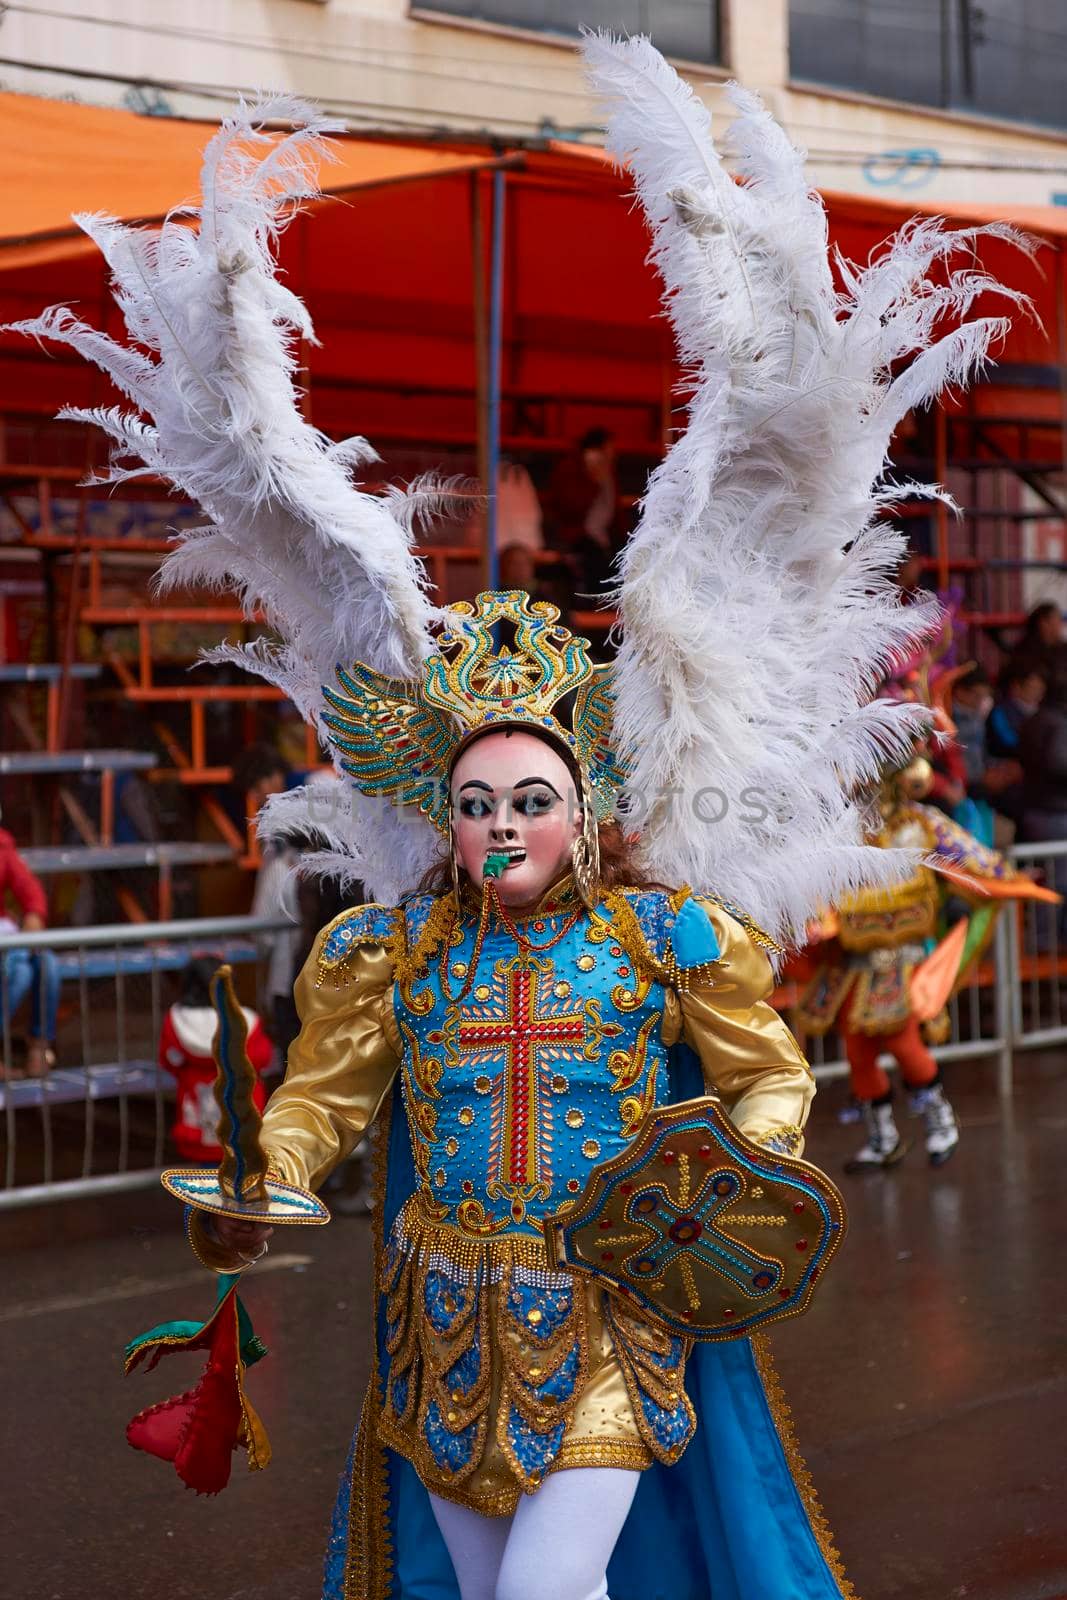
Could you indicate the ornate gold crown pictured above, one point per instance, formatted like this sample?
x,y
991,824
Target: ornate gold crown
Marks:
x,y
505,661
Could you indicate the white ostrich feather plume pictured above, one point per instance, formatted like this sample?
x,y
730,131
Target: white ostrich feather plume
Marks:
x,y
211,363
756,598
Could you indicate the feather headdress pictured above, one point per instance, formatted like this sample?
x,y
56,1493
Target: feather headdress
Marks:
x,y
756,604
756,598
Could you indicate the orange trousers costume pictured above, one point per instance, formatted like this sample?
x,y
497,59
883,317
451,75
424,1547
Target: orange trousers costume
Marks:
x,y
869,1080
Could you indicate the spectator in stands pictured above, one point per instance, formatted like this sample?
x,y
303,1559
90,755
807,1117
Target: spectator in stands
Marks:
x,y
307,902
988,780
1022,688
258,772
274,896
582,507
32,973
1043,753
186,1049
1021,692
1042,636
518,569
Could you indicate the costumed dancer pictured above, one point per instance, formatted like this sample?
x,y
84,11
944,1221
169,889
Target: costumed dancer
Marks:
x,y
889,966
528,999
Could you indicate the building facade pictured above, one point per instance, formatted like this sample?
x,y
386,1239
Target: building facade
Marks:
x,y
946,101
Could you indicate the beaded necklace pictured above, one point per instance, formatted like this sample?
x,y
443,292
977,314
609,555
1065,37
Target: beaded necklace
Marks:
x,y
491,902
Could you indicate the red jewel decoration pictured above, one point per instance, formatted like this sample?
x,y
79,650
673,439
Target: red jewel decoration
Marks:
x,y
505,702
802,1244
799,1207
624,972
783,1294
606,1222
687,1316
539,926
704,1152
626,1188
728,1313
607,1255
669,1157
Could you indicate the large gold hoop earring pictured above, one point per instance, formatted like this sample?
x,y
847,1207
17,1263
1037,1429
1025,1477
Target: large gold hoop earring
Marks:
x,y
585,851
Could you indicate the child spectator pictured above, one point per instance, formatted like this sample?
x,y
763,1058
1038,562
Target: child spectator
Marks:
x,y
1022,688
993,784
186,1049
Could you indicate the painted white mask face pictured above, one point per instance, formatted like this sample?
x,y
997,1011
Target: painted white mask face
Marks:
x,y
511,792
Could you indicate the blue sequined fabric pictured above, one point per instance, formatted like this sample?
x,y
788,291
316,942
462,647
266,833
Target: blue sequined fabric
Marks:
x,y
371,924
333,1573
522,1071
523,1075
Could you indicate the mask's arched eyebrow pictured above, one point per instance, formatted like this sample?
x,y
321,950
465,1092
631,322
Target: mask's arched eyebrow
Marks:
x,y
524,782
475,783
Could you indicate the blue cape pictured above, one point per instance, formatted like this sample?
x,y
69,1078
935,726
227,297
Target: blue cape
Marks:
x,y
735,1519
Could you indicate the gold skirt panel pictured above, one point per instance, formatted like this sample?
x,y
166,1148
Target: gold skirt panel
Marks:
x,y
464,1372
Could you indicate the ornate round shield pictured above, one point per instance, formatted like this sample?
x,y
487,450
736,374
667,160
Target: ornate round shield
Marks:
x,y
713,1236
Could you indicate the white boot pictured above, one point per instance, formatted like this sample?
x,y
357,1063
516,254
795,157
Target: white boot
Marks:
x,y
884,1147
942,1130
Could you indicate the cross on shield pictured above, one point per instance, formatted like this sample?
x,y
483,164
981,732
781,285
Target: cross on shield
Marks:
x,y
711,1235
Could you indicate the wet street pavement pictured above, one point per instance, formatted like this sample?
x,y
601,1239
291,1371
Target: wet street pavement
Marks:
x,y
928,1384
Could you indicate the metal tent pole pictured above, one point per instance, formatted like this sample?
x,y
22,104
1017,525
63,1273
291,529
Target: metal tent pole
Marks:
x,y
496,330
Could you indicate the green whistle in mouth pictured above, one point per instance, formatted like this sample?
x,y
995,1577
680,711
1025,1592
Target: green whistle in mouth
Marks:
x,y
495,862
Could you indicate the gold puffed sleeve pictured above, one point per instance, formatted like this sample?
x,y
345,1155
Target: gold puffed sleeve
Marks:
x,y
340,1068
748,1055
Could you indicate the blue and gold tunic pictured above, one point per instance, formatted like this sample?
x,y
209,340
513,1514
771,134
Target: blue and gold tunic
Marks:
x,y
527,1054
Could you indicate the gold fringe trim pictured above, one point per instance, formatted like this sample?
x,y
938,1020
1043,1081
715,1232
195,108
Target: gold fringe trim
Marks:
x,y
335,973
758,935
798,1467
623,924
369,1559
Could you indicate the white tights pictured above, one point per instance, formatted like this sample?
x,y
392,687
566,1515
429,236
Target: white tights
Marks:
x,y
555,1547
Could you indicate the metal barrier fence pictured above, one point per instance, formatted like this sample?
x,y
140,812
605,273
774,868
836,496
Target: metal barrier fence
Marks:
x,y
1037,953
98,1121
1013,1001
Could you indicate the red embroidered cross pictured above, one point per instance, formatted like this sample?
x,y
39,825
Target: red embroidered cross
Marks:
x,y
521,1036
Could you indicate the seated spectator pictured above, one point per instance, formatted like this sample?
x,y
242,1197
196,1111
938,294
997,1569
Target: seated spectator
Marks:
x,y
258,772
32,973
1022,688
582,507
516,569
1043,753
1042,636
993,786
186,1049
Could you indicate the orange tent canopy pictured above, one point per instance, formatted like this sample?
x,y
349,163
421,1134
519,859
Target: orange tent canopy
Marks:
x,y
386,264
63,158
